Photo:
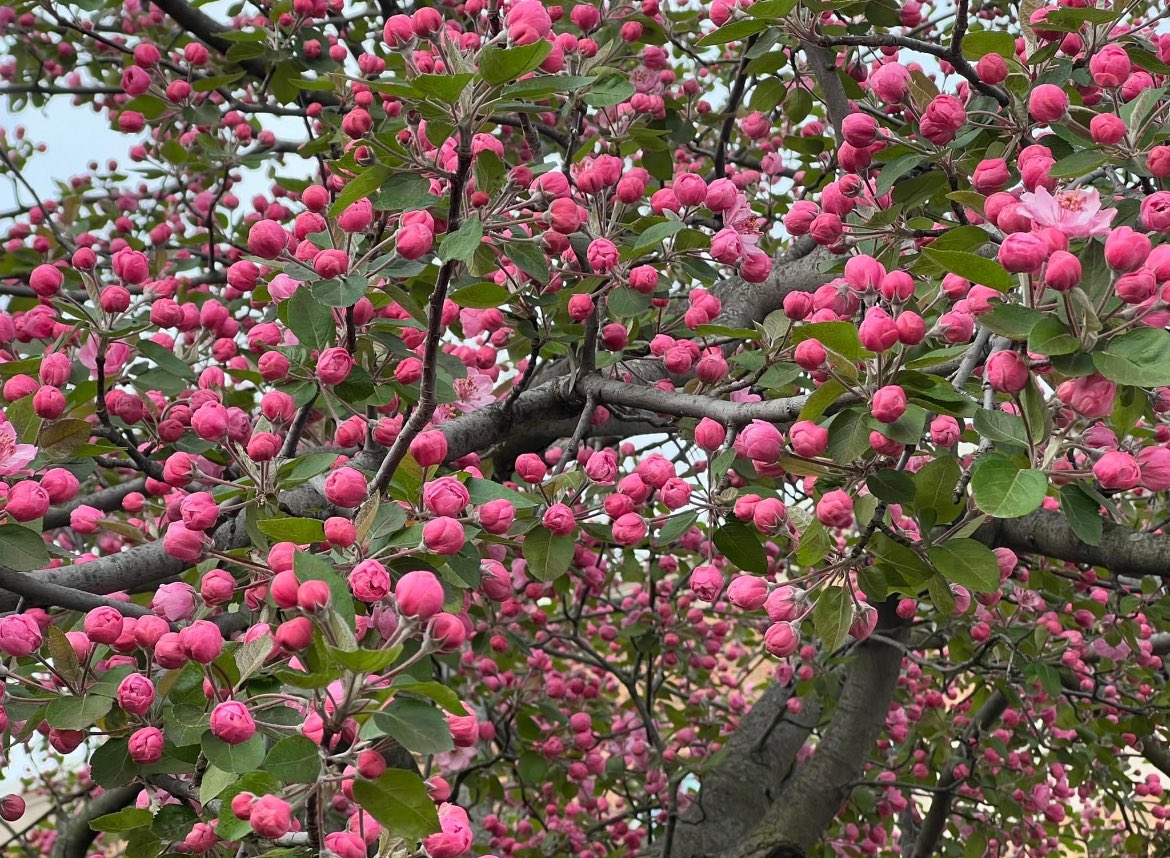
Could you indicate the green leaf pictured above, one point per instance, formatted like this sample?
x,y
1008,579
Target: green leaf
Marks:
x,y
482,491
546,85
741,545
64,437
304,468
361,185
529,258
977,43
77,713
840,337
22,549
815,543
967,562
892,486
654,235
548,556
1140,358
609,90
1001,427
733,32
848,437
1050,336
1078,164
935,487
309,319
215,781
240,759
126,819
832,616
111,766
462,244
416,726
249,657
481,295
312,567
366,660
499,66
977,269
165,359
399,800
1011,321
64,656
408,192
441,694
341,291
1003,489
1083,513
294,760
300,530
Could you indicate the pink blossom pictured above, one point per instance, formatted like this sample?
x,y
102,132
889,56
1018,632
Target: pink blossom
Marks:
x,y
13,455
1075,212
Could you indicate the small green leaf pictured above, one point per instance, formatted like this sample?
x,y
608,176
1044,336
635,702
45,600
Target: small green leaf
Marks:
x,y
1001,427
436,691
240,759
977,269
741,545
126,819
503,65
309,319
1050,337
461,244
609,90
361,185
417,726
832,617
1003,489
399,800
77,713
341,291
892,486
548,556
294,760
22,549
300,530
1083,513
967,562
1140,358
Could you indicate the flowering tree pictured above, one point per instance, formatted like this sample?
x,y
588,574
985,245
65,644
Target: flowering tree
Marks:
x,y
735,429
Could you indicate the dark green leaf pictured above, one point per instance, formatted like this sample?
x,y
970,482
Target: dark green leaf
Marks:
x,y
548,556
77,713
503,65
1003,489
967,562
22,549
977,269
294,760
399,800
415,725
832,616
244,757
1083,513
741,545
461,244
1140,358
309,319
361,185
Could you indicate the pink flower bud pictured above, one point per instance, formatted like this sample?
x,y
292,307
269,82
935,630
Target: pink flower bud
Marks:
x,y
748,592
419,594
888,403
1006,371
808,439
135,694
103,625
781,639
346,488
1063,271
1117,470
231,722
443,535
760,441
334,365
267,239
1023,252
429,448
271,817
1047,103
1125,249
707,582
835,509
146,745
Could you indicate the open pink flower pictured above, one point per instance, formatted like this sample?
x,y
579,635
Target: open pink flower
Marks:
x,y
474,391
1075,212
743,220
13,455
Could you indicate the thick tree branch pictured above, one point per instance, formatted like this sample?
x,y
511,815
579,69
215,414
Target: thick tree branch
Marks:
x,y
813,796
737,792
75,836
